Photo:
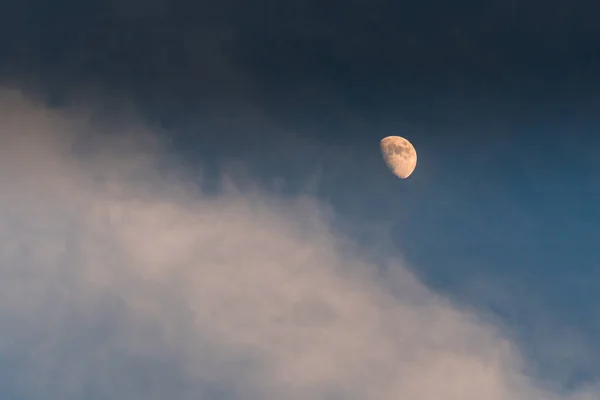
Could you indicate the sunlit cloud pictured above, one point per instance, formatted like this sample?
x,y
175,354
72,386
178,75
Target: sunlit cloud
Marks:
x,y
119,279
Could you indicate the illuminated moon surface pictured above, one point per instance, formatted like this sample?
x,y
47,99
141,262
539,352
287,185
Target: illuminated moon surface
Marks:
x,y
399,155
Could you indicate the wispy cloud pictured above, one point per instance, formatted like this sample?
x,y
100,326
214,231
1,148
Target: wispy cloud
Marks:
x,y
119,279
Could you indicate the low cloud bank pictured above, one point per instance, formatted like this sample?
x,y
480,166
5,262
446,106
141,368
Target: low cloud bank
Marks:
x,y
119,279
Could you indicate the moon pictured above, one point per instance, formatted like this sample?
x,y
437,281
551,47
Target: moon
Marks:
x,y
399,155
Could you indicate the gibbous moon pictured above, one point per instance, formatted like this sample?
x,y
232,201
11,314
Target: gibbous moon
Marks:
x,y
399,155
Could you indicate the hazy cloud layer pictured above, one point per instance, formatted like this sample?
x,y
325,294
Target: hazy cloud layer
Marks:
x,y
120,280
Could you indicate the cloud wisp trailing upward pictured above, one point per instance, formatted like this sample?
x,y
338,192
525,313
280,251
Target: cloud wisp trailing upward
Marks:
x,y
119,279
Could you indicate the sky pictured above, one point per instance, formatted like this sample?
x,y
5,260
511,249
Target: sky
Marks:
x,y
194,203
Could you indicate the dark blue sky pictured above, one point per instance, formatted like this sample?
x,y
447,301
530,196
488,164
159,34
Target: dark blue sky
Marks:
x,y
500,98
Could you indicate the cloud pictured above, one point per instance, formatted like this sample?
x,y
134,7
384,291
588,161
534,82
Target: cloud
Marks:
x,y
119,279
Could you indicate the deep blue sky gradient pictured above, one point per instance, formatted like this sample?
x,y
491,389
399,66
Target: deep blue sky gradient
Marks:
x,y
501,100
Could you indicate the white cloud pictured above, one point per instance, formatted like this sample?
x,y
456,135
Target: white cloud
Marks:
x,y
120,280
